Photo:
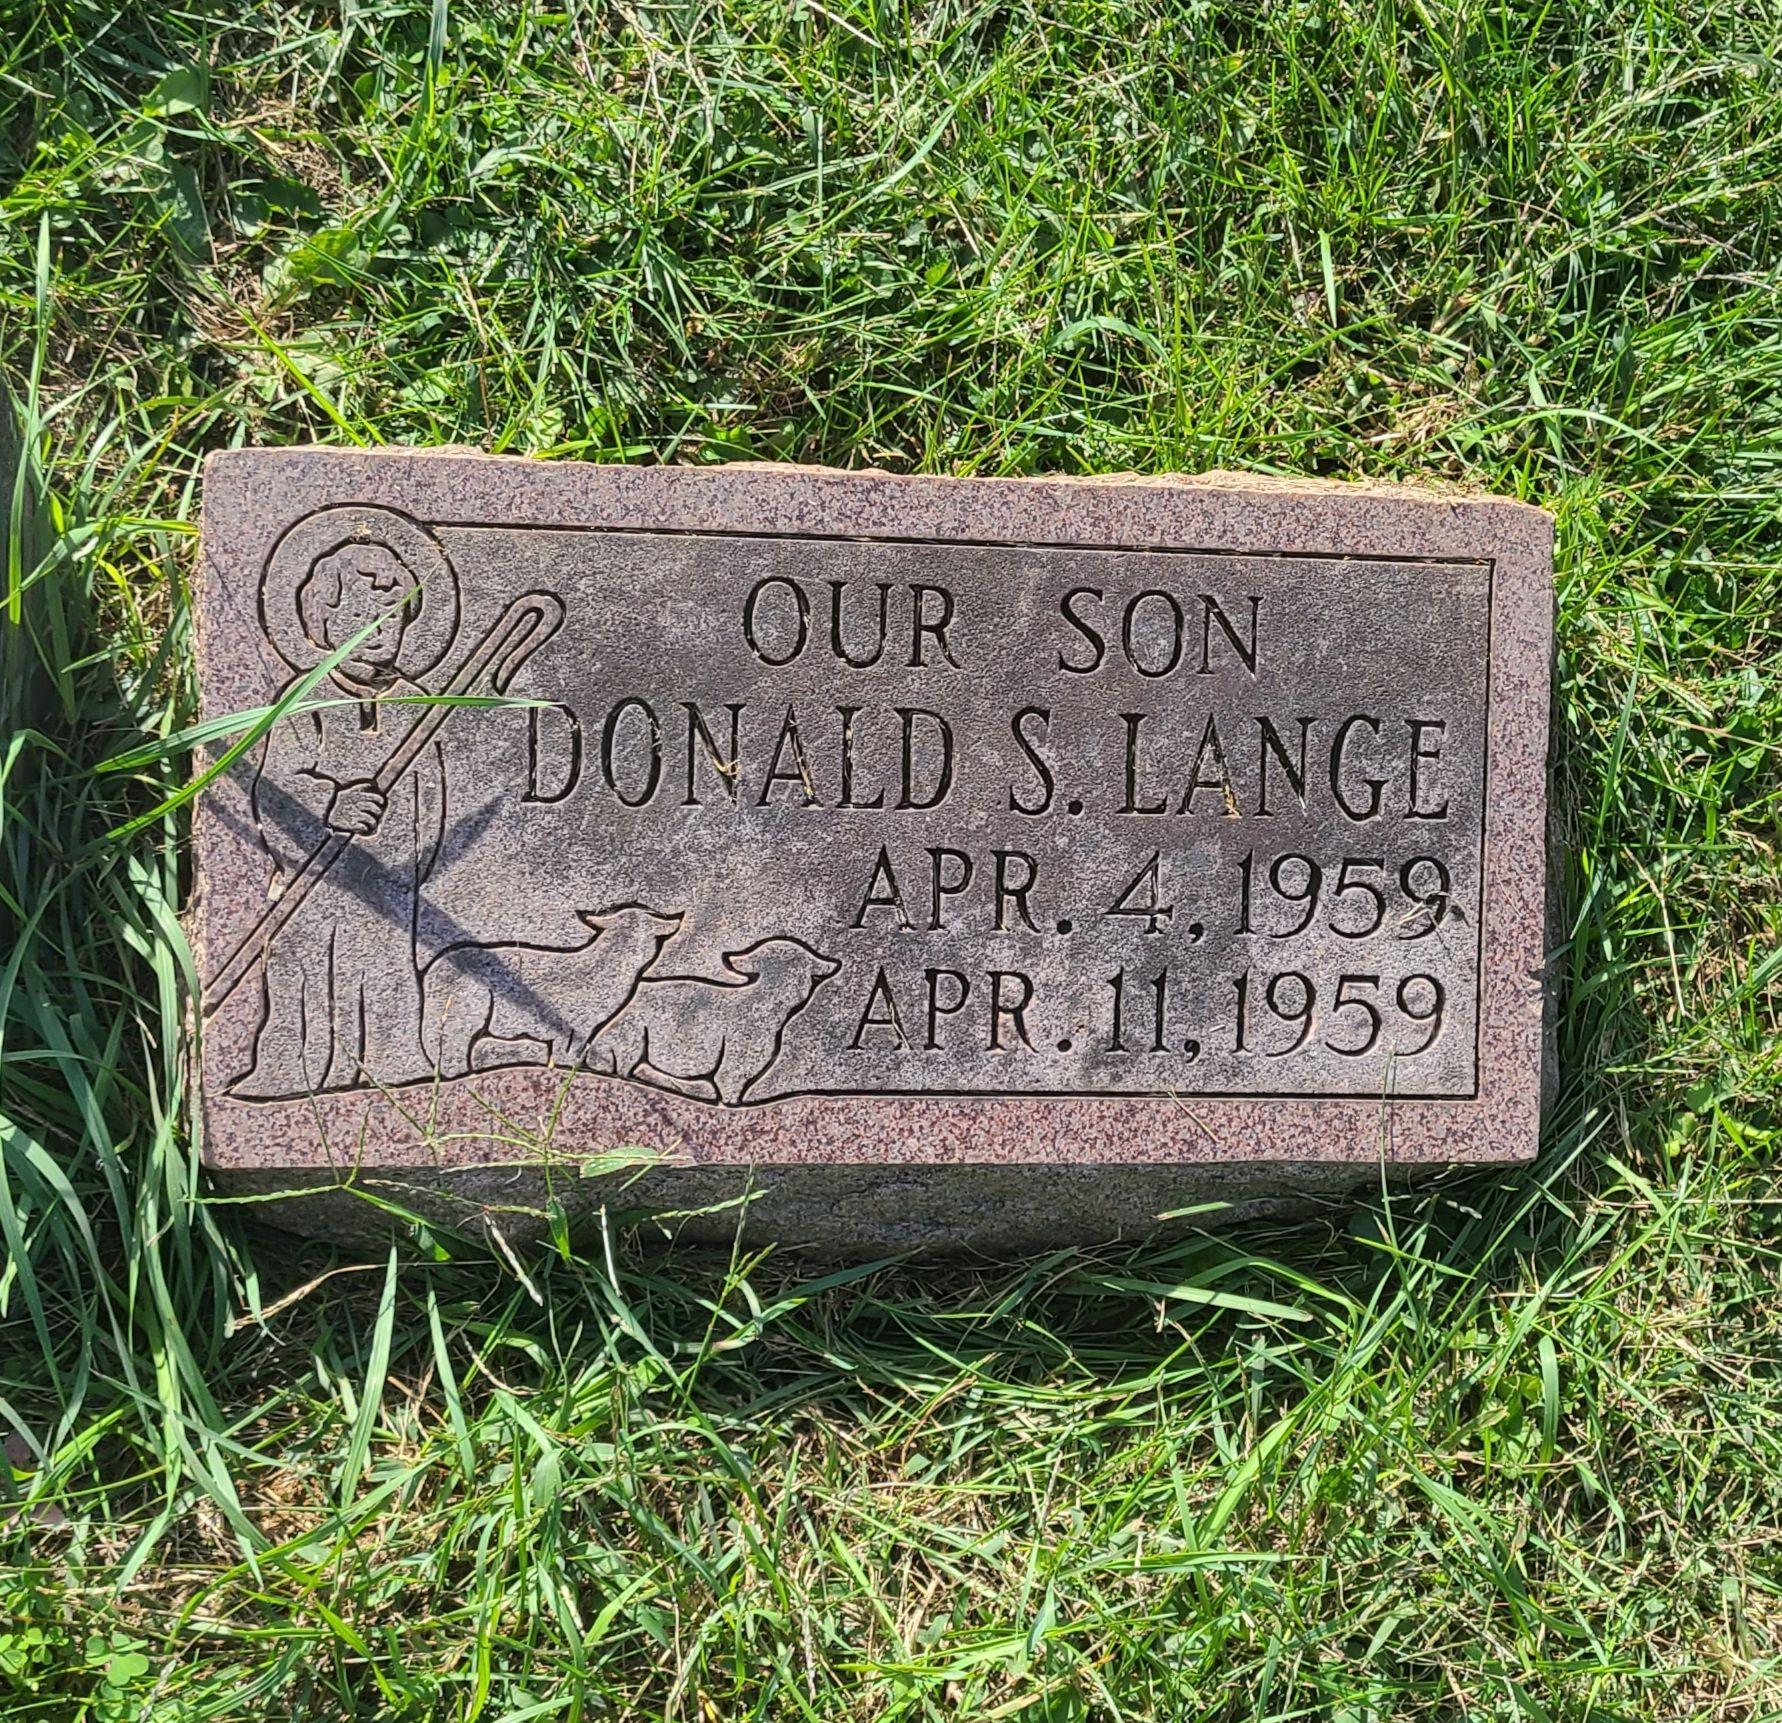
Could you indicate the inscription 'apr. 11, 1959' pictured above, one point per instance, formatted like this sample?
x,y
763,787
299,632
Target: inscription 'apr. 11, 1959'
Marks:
x,y
761,793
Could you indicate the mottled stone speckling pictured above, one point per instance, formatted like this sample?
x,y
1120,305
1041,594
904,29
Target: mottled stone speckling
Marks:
x,y
947,863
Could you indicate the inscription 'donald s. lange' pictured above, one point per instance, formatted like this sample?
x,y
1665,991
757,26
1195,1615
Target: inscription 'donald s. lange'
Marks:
x,y
789,815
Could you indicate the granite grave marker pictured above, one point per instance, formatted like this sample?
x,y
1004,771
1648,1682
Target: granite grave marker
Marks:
x,y
948,861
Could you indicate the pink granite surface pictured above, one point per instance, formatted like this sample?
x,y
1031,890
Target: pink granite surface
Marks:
x,y
519,1119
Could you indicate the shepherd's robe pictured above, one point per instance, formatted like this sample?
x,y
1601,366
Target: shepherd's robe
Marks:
x,y
341,980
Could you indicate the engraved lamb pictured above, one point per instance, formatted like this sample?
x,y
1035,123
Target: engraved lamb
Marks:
x,y
510,1004
707,1037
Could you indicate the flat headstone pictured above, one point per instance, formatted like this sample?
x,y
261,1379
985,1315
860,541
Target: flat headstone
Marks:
x,y
970,862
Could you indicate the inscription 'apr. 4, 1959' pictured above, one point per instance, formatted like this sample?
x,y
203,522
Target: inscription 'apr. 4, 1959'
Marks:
x,y
744,811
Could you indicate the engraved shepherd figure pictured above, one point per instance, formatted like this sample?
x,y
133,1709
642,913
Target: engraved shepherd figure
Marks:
x,y
342,991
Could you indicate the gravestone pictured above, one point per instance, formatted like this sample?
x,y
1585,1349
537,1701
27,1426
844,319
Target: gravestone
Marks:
x,y
940,862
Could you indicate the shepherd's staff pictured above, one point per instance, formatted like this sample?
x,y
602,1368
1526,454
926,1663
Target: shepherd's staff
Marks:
x,y
523,627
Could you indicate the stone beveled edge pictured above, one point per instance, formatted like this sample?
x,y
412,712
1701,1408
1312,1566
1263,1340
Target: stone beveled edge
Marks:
x,y
251,495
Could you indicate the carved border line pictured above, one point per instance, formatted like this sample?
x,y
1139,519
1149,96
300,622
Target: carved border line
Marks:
x,y
1179,1093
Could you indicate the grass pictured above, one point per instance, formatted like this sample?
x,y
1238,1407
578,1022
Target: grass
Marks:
x,y
1505,1448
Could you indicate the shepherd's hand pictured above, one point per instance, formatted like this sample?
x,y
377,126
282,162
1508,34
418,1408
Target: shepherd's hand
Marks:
x,y
356,810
